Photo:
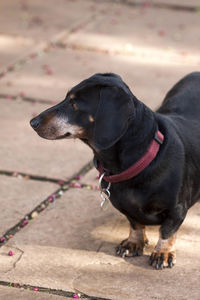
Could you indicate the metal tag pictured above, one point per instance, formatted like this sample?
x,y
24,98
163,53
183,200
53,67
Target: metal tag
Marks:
x,y
105,201
105,194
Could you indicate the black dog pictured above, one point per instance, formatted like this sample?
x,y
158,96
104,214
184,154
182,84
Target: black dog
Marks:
x,y
151,158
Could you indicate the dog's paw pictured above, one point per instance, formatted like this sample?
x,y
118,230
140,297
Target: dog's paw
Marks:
x,y
162,259
127,249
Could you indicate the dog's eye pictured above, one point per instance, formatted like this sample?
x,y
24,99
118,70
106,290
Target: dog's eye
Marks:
x,y
74,106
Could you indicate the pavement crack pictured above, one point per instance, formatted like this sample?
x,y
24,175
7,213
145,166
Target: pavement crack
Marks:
x,y
149,3
61,182
19,258
30,176
16,262
66,294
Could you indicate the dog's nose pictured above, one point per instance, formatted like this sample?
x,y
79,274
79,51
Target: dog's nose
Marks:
x,y
35,123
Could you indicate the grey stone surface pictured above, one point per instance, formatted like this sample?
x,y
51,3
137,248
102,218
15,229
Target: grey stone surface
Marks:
x,y
19,197
51,267
70,223
22,150
126,281
148,34
136,280
10,293
41,20
27,26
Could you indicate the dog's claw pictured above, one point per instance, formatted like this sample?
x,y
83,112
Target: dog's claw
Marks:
x,y
151,259
170,261
117,251
123,254
161,260
129,249
157,264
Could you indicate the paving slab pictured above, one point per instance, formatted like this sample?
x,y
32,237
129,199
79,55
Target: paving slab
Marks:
x,y
9,293
19,197
41,20
148,81
68,224
73,244
50,267
144,33
22,150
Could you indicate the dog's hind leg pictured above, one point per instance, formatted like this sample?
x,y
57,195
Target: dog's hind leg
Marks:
x,y
134,244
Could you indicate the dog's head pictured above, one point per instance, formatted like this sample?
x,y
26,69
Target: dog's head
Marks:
x,y
96,110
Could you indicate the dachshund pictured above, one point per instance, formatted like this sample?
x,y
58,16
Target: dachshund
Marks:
x,y
149,161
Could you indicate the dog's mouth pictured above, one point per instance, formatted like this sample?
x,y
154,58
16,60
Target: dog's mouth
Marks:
x,y
64,136
58,131
47,136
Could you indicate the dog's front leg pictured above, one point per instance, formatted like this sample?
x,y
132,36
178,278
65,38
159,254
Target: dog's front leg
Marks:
x,y
164,254
134,244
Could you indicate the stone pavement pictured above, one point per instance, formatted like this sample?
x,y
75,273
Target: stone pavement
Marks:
x,y
63,243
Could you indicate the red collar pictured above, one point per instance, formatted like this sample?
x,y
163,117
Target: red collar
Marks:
x,y
139,166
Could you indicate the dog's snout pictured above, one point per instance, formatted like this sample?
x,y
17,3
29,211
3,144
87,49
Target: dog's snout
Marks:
x,y
35,123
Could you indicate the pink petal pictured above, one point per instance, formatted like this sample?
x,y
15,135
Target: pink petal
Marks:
x,y
11,253
2,239
24,223
77,185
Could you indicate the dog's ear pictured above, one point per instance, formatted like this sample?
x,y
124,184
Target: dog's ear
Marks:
x,y
111,121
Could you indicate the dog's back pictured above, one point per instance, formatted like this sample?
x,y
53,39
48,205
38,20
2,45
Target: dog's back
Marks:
x,y
181,108
184,98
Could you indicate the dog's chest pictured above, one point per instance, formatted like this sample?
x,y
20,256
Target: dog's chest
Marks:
x,y
137,204
127,199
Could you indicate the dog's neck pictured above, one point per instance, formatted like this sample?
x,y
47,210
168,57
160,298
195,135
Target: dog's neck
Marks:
x,y
133,144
